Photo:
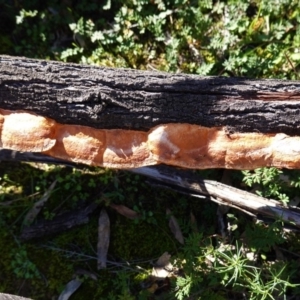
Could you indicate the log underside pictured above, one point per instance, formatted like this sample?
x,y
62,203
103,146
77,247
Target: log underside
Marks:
x,y
182,145
182,181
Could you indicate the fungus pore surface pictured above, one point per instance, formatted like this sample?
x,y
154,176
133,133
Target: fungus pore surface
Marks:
x,y
178,144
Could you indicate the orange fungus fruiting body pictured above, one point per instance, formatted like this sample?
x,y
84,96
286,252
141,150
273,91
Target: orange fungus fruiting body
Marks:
x,y
183,145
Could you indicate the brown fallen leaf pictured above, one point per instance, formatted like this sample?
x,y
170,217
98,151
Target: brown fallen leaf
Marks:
x,y
162,268
158,281
125,211
36,208
70,288
174,226
103,238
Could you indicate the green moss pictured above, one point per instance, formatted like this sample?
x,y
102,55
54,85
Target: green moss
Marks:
x,y
56,258
6,274
130,240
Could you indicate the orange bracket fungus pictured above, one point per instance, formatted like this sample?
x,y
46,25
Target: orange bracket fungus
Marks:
x,y
178,144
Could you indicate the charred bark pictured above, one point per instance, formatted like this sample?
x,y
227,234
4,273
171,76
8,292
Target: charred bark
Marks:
x,y
129,99
59,224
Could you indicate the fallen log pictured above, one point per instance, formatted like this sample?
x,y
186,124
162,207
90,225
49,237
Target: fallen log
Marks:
x,y
120,118
108,98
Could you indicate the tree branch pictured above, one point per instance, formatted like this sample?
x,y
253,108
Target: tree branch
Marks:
x,y
220,193
184,181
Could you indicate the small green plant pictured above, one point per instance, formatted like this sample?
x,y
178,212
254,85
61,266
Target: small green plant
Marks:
x,y
184,286
48,215
268,182
22,266
122,286
145,215
231,270
263,237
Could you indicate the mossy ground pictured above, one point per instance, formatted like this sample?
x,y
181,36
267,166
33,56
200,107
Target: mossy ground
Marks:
x,y
55,259
41,268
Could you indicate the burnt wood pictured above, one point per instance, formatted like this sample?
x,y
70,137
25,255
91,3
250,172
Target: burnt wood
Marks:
x,y
129,99
58,224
